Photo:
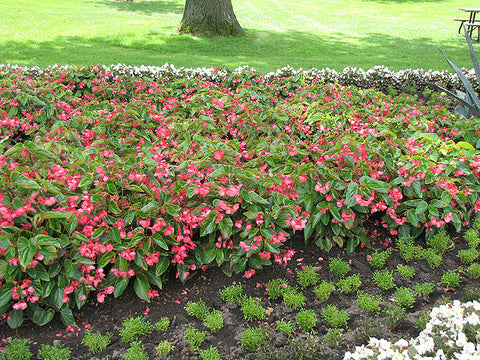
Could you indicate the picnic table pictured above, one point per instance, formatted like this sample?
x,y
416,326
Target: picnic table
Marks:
x,y
471,23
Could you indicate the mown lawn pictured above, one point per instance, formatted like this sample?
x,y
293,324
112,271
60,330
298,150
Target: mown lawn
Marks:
x,y
334,34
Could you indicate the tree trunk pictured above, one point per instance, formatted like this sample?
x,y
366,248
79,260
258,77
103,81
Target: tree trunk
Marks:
x,y
210,18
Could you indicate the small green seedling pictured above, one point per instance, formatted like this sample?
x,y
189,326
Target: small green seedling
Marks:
x,y
284,327
50,352
197,309
368,303
163,324
136,351
384,279
95,341
405,271
276,288
335,317
350,284
378,258
210,354
339,267
164,348
16,349
134,328
252,338
307,276
306,320
252,309
324,290
293,299
194,337
404,297
214,321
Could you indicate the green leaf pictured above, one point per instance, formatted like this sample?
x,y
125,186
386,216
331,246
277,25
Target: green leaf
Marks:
x,y
104,259
257,198
352,243
210,254
3,268
15,318
24,182
351,190
421,208
432,210
338,240
162,265
111,188
412,217
158,239
42,316
26,251
141,286
374,184
66,315
151,206
404,231
42,239
99,232
130,217
209,223
465,145
120,285
225,226
5,295
71,225
335,213
173,209
113,206
114,234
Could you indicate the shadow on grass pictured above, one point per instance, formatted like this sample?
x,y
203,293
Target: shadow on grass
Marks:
x,y
144,7
264,50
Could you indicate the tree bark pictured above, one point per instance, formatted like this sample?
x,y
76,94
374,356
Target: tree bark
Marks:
x,y
210,18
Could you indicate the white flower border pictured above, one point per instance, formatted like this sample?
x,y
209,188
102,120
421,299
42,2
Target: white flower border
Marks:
x,y
379,77
446,324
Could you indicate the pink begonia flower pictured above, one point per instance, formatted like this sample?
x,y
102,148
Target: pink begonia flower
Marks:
x,y
249,273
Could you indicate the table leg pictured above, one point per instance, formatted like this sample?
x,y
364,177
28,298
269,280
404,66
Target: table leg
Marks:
x,y
472,21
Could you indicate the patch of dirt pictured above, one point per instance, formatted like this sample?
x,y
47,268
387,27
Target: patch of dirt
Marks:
x,y
108,317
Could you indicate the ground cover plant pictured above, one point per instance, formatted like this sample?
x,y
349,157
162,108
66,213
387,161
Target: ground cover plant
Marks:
x,y
110,181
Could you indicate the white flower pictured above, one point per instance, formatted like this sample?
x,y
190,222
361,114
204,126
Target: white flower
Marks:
x,y
461,340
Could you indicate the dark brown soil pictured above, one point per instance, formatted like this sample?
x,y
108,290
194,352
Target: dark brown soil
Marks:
x,y
109,316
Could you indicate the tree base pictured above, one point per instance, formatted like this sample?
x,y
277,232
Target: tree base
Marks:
x,y
208,18
210,30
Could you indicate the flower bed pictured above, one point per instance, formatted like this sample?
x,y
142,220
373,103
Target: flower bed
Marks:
x,y
108,179
451,332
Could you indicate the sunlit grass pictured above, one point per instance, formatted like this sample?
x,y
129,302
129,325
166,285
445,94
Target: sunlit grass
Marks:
x,y
335,34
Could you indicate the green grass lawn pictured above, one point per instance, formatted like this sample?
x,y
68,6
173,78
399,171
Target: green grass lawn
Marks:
x,y
310,33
